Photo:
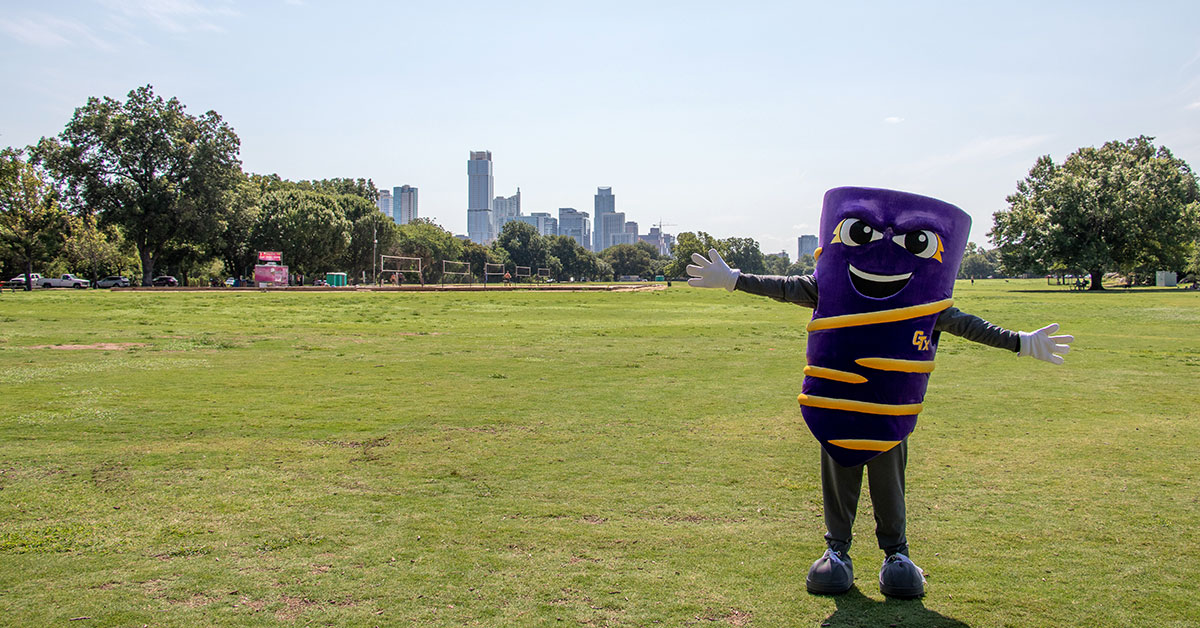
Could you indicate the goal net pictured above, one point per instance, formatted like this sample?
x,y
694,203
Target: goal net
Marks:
x,y
398,267
451,268
522,271
544,273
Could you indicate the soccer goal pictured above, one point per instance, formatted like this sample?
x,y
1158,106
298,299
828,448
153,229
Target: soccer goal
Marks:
x,y
457,269
398,266
522,271
492,270
543,273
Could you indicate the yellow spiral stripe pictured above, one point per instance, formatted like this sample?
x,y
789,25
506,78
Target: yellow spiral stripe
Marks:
x,y
834,374
864,445
874,318
893,364
866,407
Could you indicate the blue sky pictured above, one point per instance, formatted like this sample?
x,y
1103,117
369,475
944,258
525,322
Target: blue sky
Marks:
x,y
707,116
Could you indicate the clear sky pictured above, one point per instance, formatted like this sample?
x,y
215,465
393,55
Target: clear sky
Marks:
x,y
731,118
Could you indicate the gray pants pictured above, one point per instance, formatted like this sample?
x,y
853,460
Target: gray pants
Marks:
x,y
841,487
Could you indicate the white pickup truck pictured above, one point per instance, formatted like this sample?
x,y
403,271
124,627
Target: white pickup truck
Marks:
x,y
19,281
66,281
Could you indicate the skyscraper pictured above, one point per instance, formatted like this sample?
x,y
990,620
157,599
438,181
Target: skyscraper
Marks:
x,y
404,204
807,245
576,225
480,226
384,202
606,203
506,210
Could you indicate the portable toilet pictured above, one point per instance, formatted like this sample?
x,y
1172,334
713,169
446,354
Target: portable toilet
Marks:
x,y
335,279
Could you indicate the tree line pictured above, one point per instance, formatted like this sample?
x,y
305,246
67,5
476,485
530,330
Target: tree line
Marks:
x,y
142,187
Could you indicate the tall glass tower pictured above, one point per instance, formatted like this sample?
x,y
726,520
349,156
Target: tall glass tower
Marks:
x,y
606,203
480,226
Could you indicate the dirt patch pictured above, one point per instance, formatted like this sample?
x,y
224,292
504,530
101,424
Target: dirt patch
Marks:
x,y
735,617
99,346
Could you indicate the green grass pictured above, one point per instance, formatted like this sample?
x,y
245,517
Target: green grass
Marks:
x,y
624,459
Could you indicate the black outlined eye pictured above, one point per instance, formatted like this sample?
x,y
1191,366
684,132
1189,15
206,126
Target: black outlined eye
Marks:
x,y
854,232
924,244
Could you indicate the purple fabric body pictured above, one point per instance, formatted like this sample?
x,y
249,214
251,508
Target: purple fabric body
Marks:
x,y
876,287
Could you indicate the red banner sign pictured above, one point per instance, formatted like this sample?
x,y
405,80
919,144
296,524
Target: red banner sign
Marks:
x,y
270,256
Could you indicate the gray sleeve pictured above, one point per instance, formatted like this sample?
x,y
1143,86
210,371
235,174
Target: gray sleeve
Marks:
x,y
975,329
798,289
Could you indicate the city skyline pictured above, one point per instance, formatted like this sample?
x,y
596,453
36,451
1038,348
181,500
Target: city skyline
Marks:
x,y
955,101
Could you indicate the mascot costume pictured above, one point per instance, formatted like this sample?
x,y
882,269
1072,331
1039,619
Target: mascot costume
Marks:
x,y
885,273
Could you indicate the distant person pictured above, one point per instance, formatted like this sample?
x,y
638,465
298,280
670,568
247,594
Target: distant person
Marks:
x,y
507,278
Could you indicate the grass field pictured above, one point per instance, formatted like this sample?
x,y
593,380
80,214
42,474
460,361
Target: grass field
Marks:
x,y
616,459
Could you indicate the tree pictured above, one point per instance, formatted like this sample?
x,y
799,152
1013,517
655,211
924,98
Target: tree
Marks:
x,y
476,256
307,227
100,251
148,166
1124,206
977,262
627,259
524,245
32,225
427,240
744,254
806,265
371,235
776,263
575,261
686,244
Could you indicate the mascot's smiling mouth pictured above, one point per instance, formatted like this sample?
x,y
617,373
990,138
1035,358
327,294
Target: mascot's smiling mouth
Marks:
x,y
877,286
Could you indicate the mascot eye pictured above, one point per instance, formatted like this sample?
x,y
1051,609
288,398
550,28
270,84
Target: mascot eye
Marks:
x,y
924,244
853,232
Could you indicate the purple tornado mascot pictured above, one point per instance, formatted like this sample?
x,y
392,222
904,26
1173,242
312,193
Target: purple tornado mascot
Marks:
x,y
885,275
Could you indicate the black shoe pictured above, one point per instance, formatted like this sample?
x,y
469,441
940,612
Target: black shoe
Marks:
x,y
833,573
899,577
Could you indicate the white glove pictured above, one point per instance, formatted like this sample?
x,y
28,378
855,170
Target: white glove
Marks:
x,y
1041,345
712,272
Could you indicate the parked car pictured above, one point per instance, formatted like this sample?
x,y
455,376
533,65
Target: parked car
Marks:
x,y
164,280
230,282
19,280
65,281
113,282
319,282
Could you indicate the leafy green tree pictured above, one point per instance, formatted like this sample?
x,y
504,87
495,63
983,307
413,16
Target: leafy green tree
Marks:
x,y
687,243
776,263
427,240
32,225
1124,206
100,250
363,253
650,249
148,166
524,245
476,255
233,243
307,227
744,254
627,259
575,262
806,265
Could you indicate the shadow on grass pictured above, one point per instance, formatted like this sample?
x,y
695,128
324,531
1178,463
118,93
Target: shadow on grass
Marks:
x,y
855,610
